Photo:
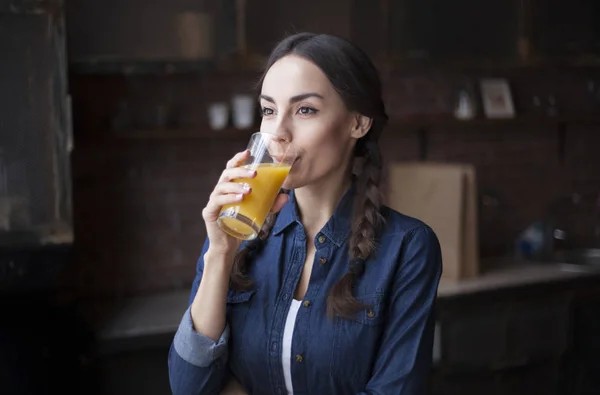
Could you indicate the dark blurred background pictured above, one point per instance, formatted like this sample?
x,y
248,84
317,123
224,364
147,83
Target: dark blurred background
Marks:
x,y
117,117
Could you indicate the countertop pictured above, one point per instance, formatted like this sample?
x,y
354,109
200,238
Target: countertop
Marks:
x,y
505,273
160,314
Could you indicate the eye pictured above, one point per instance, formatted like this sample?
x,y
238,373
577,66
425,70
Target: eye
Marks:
x,y
306,110
266,111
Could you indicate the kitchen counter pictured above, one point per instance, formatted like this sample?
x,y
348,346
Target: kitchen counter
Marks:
x,y
509,274
159,315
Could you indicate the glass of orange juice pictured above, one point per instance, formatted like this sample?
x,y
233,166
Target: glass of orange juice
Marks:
x,y
271,158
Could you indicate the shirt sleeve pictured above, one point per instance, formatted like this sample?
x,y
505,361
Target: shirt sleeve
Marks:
x,y
404,360
197,364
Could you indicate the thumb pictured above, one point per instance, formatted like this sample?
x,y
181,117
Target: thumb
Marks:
x,y
280,201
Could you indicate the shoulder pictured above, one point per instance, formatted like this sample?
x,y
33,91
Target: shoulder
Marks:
x,y
397,225
407,238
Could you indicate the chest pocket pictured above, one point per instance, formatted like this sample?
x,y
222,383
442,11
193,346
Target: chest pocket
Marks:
x,y
356,341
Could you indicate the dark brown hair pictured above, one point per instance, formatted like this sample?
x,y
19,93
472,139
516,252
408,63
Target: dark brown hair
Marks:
x,y
356,80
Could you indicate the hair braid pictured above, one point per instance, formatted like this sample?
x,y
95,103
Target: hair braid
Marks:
x,y
366,221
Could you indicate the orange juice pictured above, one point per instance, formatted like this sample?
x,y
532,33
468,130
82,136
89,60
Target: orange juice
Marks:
x,y
244,220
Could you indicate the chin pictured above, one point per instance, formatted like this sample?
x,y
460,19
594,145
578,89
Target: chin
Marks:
x,y
293,181
289,184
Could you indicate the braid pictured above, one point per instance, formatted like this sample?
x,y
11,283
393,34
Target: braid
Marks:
x,y
239,274
366,222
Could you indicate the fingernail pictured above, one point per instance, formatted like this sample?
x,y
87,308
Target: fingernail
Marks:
x,y
251,173
240,196
246,187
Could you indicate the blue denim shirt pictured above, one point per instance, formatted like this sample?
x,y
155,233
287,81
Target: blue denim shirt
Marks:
x,y
385,349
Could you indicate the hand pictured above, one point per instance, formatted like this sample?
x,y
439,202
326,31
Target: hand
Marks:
x,y
227,191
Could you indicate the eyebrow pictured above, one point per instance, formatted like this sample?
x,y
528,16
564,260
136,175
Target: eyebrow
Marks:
x,y
294,99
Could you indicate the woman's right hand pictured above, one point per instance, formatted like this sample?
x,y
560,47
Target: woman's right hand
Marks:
x,y
227,191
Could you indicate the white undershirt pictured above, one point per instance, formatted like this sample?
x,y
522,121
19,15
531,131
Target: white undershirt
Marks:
x,y
286,353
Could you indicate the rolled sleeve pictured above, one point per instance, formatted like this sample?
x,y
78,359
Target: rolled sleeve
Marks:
x,y
194,347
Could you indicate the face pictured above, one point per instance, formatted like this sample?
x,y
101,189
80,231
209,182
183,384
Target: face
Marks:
x,y
300,105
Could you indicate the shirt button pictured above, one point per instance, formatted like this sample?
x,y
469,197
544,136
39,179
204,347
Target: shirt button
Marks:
x,y
306,303
321,239
299,358
323,260
370,313
286,296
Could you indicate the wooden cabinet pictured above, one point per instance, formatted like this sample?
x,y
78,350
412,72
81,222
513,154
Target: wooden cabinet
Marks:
x,y
481,31
539,329
474,337
463,29
507,345
270,20
505,334
536,379
362,21
562,29
583,365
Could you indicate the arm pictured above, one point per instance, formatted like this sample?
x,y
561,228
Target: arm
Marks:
x,y
198,354
404,360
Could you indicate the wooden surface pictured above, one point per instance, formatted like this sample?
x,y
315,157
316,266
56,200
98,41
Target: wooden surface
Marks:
x,y
161,313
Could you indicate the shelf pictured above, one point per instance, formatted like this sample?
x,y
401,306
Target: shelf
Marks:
x,y
105,67
446,121
199,133
233,64
406,125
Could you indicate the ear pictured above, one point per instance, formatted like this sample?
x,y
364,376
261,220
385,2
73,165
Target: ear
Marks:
x,y
360,126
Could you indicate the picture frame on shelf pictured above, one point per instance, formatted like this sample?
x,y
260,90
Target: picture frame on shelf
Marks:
x,y
497,98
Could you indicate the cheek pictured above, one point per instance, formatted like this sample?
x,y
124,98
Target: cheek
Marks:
x,y
322,135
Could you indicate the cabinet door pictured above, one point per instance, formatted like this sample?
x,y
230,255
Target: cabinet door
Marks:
x,y
539,379
458,29
539,329
269,21
471,384
563,28
474,338
35,191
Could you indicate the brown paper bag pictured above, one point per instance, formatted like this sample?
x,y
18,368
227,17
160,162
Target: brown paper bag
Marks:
x,y
444,197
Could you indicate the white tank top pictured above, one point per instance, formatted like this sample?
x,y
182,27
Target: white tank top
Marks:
x,y
286,353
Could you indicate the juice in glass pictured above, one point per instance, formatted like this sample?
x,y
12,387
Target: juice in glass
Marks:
x,y
272,161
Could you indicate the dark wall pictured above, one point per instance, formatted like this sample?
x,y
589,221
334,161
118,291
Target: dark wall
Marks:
x,y
139,188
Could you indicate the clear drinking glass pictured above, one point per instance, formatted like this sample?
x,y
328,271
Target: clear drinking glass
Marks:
x,y
271,158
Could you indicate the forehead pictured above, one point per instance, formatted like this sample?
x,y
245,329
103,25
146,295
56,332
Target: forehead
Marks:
x,y
293,75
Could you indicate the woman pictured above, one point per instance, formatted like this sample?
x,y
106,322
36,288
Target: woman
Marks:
x,y
337,294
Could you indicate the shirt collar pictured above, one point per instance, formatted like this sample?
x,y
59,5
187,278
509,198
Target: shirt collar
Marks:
x,y
337,229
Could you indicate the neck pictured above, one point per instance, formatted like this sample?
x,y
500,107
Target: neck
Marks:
x,y
317,203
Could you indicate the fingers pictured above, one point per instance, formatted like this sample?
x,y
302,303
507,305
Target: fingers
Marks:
x,y
238,159
236,173
231,187
227,193
216,203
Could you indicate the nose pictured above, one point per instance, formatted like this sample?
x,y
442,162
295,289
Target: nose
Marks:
x,y
280,128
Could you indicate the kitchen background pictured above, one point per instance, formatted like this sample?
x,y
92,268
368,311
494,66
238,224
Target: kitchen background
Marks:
x,y
135,82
